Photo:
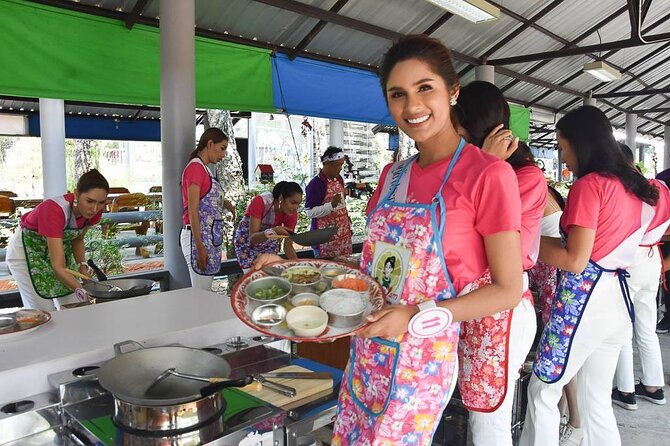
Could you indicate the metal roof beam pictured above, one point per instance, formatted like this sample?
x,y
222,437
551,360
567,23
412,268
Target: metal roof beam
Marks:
x,y
645,10
577,39
511,36
137,11
618,45
438,23
633,12
627,94
316,30
651,110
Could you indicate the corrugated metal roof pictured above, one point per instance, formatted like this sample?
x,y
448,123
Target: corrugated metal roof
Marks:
x,y
258,21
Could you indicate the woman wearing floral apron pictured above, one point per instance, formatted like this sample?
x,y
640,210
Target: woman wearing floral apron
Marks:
x,y
269,215
50,239
432,214
608,211
202,196
325,205
488,390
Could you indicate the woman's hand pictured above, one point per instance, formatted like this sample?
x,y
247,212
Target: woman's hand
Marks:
x,y
86,270
230,207
390,321
500,143
337,199
280,230
201,258
265,259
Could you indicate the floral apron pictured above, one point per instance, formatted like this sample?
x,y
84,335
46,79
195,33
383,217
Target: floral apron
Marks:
x,y
396,389
35,247
245,251
572,297
212,228
340,244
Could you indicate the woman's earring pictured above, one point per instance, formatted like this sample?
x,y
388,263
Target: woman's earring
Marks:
x,y
453,101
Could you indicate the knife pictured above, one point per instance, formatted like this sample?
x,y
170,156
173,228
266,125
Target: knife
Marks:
x,y
298,375
280,388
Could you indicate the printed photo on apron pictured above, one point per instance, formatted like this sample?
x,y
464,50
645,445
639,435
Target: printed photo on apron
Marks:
x,y
390,266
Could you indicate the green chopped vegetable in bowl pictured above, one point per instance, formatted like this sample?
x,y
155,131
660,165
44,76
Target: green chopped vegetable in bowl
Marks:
x,y
268,290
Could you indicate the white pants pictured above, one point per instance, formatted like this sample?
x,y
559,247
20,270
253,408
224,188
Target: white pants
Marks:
x,y
16,262
197,280
495,428
643,284
604,327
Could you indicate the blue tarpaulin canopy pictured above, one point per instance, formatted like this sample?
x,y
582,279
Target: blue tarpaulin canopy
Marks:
x,y
325,90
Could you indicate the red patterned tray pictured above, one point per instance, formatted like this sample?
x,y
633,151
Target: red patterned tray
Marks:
x,y
243,307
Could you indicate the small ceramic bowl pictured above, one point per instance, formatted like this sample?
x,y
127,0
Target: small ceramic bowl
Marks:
x,y
307,321
305,299
269,315
330,272
264,283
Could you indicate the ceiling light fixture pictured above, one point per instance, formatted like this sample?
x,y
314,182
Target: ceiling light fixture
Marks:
x,y
602,71
476,11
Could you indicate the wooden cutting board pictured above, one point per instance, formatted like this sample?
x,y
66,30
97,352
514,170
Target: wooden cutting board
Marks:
x,y
306,389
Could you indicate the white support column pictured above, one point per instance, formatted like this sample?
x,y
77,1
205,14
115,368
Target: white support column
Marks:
x,y
485,73
336,133
177,48
52,136
631,132
251,151
666,152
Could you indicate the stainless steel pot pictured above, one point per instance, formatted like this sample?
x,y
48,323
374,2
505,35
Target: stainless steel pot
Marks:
x,y
129,288
176,404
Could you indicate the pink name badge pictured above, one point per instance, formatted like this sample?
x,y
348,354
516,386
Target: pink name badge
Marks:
x,y
429,322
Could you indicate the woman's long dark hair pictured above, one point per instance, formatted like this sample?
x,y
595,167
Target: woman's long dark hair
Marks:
x,y
589,133
481,107
216,135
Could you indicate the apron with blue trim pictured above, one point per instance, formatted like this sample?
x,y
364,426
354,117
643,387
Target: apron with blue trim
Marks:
x,y
212,230
572,298
396,389
245,251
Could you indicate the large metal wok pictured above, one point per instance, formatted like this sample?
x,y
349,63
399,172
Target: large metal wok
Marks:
x,y
314,237
175,404
129,288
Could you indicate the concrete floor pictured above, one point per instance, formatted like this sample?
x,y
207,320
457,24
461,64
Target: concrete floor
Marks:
x,y
649,425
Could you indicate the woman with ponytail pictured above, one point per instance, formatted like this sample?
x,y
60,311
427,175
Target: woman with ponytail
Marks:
x,y
202,196
609,209
269,216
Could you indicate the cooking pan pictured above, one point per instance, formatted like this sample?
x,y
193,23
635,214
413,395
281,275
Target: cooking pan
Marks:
x,y
129,288
129,375
311,238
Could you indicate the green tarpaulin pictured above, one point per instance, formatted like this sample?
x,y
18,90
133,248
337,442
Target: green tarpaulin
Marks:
x,y
53,53
519,122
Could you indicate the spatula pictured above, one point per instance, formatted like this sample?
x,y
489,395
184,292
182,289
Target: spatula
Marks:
x,y
85,277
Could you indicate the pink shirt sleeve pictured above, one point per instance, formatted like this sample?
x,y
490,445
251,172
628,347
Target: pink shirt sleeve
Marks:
x,y
195,174
583,205
533,193
497,184
256,207
50,219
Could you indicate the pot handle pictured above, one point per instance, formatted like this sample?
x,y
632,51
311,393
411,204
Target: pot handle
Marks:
x,y
118,347
216,387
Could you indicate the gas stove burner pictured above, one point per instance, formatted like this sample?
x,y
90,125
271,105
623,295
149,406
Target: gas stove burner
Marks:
x,y
237,342
85,371
17,407
214,350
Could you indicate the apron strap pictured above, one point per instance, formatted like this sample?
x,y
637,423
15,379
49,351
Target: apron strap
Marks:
x,y
623,276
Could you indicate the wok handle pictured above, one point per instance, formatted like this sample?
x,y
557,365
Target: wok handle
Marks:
x,y
98,272
118,347
216,387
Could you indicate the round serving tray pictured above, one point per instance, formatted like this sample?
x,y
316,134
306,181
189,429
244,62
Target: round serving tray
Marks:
x,y
243,306
26,321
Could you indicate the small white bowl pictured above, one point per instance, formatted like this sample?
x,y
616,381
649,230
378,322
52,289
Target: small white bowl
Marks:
x,y
301,299
307,321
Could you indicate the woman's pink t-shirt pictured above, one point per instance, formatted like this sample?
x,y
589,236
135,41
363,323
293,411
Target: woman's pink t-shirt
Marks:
x,y
482,199
603,204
